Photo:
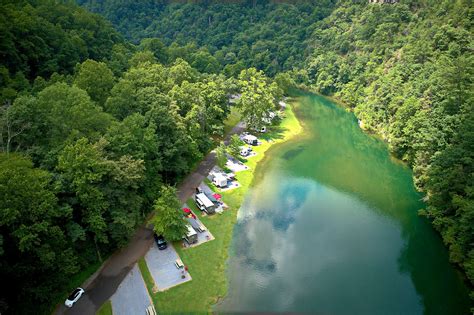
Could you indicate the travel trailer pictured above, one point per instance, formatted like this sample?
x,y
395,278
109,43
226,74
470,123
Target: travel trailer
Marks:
x,y
204,204
197,226
249,139
219,180
191,236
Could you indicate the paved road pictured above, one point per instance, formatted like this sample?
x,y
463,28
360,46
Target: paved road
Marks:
x,y
101,287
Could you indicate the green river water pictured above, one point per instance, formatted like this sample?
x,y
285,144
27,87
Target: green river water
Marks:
x,y
331,227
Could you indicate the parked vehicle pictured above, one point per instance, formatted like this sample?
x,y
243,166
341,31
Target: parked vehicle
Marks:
x,y
219,180
204,204
212,198
191,236
245,151
261,129
74,297
160,242
250,139
197,226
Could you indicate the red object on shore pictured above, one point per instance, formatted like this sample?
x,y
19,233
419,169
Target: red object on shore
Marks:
x,y
187,210
217,196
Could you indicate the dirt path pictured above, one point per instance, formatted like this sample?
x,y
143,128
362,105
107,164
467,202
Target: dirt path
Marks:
x,y
102,285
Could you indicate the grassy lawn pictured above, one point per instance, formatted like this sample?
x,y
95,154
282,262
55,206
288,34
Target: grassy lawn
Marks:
x,y
206,262
105,309
150,283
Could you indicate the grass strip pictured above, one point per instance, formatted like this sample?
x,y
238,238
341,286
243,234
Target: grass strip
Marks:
x,y
105,309
150,283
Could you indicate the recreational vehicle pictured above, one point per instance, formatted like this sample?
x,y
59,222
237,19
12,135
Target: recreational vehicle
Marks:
x,y
197,226
245,151
204,204
191,236
219,180
249,139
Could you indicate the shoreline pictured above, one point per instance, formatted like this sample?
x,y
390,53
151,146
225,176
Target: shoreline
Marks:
x,y
207,263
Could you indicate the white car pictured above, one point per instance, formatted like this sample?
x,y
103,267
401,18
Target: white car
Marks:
x,y
74,297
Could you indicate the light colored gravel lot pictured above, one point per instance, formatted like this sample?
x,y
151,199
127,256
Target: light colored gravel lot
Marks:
x,y
131,296
162,267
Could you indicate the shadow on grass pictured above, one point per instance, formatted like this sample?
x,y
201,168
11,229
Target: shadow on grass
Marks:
x,y
274,133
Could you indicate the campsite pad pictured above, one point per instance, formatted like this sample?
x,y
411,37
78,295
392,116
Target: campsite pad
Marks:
x,y
131,296
161,264
230,185
203,237
253,153
236,166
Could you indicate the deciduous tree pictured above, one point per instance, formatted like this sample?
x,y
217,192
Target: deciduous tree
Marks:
x,y
168,220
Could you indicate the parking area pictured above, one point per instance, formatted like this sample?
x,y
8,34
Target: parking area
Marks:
x,y
131,296
235,165
162,266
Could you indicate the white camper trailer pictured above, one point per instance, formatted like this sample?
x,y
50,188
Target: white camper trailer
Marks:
x,y
245,151
191,236
204,204
219,180
249,139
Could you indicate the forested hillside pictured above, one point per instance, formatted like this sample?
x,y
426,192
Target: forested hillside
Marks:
x,y
39,38
405,69
91,128
228,35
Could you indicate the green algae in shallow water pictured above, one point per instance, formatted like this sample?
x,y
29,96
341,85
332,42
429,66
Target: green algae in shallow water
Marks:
x,y
331,227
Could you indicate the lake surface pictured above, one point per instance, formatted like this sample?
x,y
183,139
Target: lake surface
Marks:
x,y
331,227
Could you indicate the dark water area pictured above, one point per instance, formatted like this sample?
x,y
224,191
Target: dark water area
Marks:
x,y
331,227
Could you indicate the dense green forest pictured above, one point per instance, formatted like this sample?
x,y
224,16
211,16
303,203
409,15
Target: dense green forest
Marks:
x,y
91,128
405,69
223,35
94,122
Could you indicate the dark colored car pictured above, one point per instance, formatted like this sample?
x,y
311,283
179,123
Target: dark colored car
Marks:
x,y
160,241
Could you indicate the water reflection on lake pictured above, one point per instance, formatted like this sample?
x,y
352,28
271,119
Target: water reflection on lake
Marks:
x,y
332,228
